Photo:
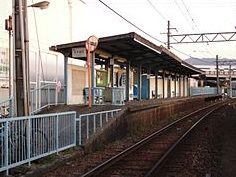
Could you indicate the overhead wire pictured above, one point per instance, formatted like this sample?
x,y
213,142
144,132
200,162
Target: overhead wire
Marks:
x,y
186,8
159,13
128,21
182,12
131,23
155,8
192,20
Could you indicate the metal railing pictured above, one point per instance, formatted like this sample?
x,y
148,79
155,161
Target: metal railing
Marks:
x,y
203,91
118,96
24,139
88,124
45,96
6,108
98,95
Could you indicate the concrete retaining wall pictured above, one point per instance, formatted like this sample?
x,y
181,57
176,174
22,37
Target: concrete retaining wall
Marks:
x,y
139,118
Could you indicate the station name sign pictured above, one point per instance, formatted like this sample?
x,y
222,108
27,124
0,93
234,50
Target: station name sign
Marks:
x,y
79,52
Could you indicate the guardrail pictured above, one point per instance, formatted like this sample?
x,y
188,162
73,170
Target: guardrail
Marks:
x,y
45,96
203,91
88,124
24,139
6,108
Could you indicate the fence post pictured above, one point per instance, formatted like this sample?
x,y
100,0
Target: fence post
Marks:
x,y
57,145
112,114
87,127
28,136
48,95
74,128
6,136
80,131
101,120
94,123
56,94
106,116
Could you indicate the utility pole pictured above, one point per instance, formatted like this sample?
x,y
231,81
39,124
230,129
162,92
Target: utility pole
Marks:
x,y
217,75
168,34
230,82
21,57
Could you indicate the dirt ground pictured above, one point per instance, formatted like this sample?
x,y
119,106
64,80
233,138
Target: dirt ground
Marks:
x,y
228,153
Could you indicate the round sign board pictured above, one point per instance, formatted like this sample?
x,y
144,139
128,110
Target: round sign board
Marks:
x,y
91,43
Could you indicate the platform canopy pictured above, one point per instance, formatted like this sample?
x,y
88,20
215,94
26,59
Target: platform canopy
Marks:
x,y
136,50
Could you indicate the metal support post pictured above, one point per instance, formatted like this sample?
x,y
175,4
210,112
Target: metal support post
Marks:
x,y
184,86
156,84
163,84
188,86
66,78
127,81
140,82
112,72
168,34
148,82
217,75
93,79
230,82
175,85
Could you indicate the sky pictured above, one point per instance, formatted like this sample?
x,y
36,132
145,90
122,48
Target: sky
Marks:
x,y
93,18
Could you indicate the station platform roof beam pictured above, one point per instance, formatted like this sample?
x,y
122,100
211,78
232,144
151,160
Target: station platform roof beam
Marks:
x,y
137,51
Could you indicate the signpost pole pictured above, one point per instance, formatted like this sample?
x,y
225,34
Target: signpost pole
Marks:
x,y
91,45
89,79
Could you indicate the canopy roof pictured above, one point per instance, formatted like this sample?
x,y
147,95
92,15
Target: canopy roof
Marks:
x,y
136,50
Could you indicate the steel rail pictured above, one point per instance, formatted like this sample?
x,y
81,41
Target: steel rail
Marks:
x,y
100,168
171,149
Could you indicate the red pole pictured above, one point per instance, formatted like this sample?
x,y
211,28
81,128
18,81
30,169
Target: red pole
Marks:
x,y
89,80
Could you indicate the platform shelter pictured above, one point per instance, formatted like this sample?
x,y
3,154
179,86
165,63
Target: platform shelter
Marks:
x,y
124,67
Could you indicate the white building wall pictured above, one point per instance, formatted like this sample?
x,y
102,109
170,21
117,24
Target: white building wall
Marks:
x,y
152,86
77,81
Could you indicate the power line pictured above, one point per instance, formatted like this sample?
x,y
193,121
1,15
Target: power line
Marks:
x,y
194,23
186,8
128,21
183,13
154,7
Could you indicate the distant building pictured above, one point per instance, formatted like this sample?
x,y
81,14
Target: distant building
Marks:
x,y
208,65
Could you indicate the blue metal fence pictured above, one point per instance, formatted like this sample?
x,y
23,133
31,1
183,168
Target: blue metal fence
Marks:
x,y
24,139
203,91
88,124
45,96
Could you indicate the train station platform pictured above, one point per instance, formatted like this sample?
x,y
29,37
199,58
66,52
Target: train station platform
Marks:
x,y
135,118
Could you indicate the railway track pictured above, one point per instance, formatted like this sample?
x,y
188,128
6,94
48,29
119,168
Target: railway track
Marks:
x,y
146,156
